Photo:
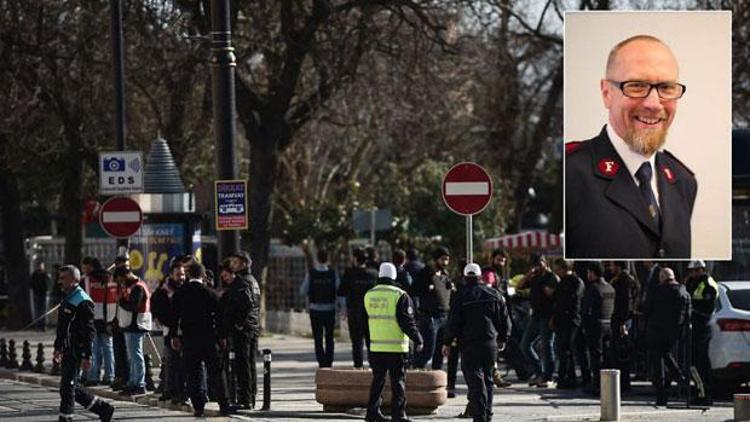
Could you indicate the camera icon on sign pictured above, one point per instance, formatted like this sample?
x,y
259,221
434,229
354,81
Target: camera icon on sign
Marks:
x,y
114,164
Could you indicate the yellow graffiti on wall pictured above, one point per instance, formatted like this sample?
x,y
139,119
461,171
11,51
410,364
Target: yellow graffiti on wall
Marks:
x,y
154,272
136,259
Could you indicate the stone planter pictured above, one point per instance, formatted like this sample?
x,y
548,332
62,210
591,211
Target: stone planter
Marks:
x,y
339,390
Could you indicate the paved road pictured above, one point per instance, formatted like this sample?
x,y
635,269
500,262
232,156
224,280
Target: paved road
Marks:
x,y
293,396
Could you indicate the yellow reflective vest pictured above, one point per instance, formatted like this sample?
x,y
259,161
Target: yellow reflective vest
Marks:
x,y
698,292
385,333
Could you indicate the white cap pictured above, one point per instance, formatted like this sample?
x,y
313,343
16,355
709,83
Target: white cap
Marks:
x,y
387,270
472,270
696,264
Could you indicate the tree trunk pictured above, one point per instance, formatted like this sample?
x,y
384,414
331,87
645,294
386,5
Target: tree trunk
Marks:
x,y
264,159
19,307
72,202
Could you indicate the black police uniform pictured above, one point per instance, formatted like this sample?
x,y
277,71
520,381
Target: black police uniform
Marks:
x,y
606,215
596,317
433,290
241,304
566,315
479,319
392,363
322,292
196,322
626,296
666,311
703,304
75,332
354,284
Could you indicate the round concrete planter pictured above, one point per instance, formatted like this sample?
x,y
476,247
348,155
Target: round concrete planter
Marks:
x,y
343,389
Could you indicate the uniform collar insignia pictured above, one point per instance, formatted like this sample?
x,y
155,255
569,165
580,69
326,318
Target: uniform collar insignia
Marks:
x,y
668,174
608,167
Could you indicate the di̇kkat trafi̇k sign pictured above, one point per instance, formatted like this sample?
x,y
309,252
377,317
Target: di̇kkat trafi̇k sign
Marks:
x,y
231,204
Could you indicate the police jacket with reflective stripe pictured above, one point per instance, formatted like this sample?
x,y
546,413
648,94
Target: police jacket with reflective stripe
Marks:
x,y
703,294
75,324
478,315
383,322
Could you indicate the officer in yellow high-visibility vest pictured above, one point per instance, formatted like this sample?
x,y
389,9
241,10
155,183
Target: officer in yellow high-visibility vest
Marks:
x,y
703,294
390,316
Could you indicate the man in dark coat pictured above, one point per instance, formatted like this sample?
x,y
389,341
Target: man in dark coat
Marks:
x,y
566,320
355,283
624,196
596,317
40,282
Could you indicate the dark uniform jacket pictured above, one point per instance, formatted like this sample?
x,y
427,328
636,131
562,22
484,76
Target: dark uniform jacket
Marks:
x,y
567,300
626,298
542,305
598,303
39,282
75,324
606,215
478,317
196,316
354,284
666,310
434,292
242,305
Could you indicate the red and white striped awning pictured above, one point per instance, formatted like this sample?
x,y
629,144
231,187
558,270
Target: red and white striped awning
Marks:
x,y
530,239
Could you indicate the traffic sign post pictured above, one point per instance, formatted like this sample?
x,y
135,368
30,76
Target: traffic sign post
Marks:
x,y
467,190
120,217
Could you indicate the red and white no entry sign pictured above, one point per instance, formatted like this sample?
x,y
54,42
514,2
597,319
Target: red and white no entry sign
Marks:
x,y
120,217
467,189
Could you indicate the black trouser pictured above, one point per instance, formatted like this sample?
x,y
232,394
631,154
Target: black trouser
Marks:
x,y
122,365
359,333
452,365
701,338
395,365
566,333
477,363
71,390
661,360
322,327
582,356
598,337
194,354
621,358
245,351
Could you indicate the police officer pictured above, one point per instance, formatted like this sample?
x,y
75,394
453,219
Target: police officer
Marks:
x,y
596,315
197,331
319,287
75,332
703,292
479,320
390,316
242,324
566,319
627,292
356,281
666,309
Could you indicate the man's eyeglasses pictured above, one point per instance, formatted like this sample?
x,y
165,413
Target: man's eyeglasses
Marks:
x,y
640,89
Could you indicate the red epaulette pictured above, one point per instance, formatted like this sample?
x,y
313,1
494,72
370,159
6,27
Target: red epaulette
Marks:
x,y
679,162
572,147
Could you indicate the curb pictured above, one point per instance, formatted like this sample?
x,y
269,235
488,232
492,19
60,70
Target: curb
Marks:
x,y
147,399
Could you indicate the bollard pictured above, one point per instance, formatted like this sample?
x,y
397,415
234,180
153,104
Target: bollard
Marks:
x,y
3,353
147,369
742,407
39,368
610,394
12,357
26,364
266,379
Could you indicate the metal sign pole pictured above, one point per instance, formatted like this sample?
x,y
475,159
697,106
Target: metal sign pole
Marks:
x,y
469,240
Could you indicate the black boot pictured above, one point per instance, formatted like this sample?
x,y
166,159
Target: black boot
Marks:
x,y
104,410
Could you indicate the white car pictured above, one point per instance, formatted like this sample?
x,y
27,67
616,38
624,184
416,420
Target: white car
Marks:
x,y
729,350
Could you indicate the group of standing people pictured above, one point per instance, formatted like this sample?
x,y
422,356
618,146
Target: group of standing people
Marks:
x,y
106,314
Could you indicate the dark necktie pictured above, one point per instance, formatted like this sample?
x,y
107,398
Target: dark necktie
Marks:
x,y
643,175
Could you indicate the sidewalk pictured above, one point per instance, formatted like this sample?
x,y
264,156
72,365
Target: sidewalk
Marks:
x,y
293,391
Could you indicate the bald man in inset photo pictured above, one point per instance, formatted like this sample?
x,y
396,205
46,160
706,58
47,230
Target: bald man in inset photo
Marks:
x,y
625,196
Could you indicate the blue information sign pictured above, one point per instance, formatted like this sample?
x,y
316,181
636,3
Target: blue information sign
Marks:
x,y
231,204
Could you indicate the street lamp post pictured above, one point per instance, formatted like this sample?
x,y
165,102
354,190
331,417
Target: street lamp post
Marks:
x,y
222,81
